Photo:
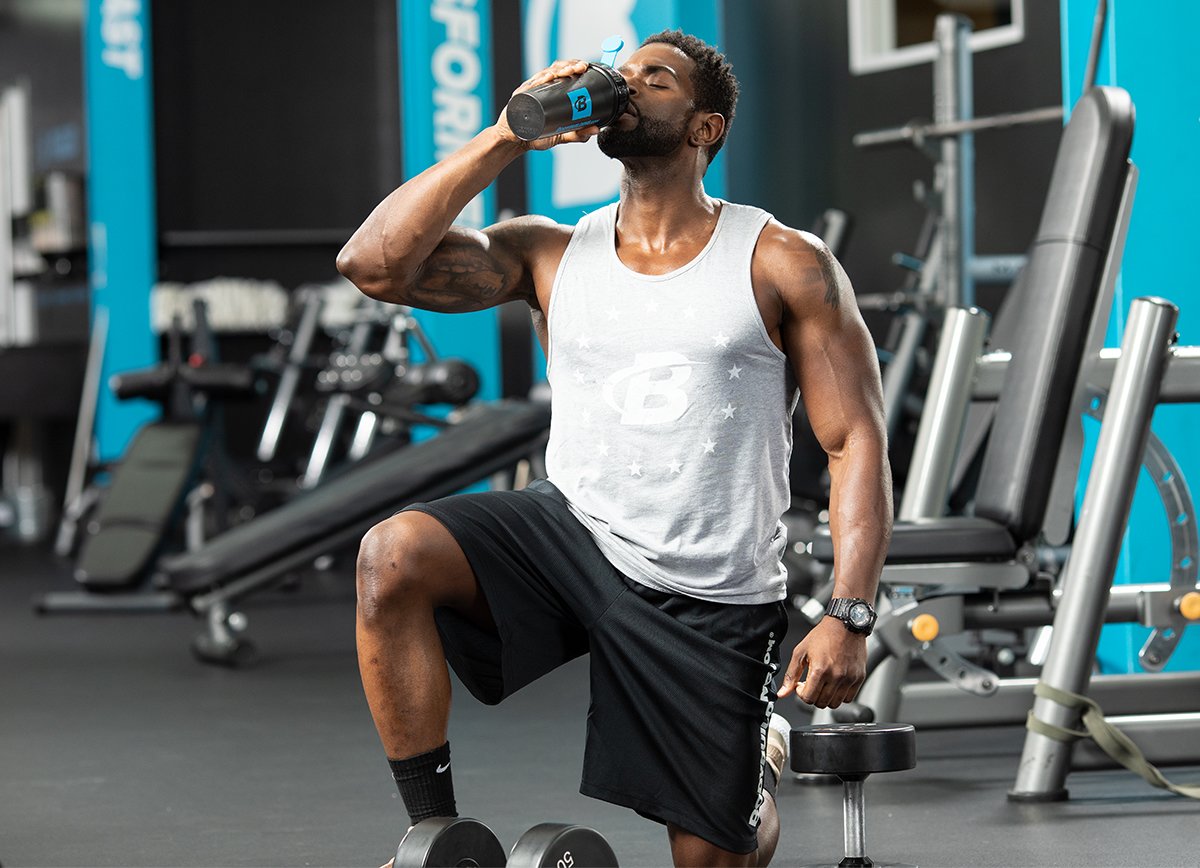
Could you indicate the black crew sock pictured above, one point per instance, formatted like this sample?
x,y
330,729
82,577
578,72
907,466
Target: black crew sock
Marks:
x,y
425,784
770,779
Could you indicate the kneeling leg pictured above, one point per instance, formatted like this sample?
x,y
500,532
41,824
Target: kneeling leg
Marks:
x,y
407,566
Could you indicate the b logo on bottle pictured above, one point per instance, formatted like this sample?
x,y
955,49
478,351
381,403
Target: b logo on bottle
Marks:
x,y
644,384
581,103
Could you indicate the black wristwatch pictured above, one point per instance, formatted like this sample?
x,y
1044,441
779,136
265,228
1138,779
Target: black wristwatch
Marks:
x,y
857,614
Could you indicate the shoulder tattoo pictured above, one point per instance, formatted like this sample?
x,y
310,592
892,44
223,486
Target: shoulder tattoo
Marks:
x,y
829,276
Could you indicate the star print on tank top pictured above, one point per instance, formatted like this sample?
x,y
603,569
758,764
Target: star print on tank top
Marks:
x,y
671,423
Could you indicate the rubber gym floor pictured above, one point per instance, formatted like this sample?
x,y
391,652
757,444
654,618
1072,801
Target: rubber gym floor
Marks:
x,y
116,748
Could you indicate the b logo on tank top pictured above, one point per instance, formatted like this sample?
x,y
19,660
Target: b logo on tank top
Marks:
x,y
653,393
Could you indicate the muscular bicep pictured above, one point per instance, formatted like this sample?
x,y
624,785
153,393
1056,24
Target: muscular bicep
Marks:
x,y
831,351
838,374
467,270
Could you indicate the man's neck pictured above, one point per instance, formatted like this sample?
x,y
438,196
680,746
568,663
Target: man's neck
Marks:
x,y
657,210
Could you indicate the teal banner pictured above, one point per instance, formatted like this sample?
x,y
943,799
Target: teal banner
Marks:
x,y
123,244
446,98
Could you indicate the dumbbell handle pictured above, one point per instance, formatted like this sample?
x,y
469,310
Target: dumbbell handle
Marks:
x,y
854,820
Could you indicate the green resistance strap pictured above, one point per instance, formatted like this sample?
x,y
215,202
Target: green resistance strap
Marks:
x,y
1107,737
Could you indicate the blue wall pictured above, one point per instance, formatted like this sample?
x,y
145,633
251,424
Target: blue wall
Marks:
x,y
446,98
1149,49
123,242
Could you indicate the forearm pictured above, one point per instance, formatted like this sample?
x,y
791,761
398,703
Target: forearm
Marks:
x,y
860,518
385,254
860,515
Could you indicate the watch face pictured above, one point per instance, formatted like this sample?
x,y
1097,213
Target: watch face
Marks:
x,y
860,614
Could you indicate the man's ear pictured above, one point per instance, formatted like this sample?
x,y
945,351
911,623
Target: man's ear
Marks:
x,y
708,131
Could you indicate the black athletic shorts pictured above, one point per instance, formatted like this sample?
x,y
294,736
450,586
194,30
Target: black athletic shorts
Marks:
x,y
681,688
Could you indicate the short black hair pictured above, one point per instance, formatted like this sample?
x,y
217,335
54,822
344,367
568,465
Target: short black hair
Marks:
x,y
713,80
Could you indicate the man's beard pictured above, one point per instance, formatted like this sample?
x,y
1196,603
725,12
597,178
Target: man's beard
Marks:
x,y
650,138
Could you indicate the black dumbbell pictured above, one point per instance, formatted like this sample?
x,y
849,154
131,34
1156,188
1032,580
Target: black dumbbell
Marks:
x,y
449,842
852,751
442,842
559,845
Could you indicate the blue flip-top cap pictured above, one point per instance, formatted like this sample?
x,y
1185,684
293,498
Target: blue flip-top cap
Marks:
x,y
611,47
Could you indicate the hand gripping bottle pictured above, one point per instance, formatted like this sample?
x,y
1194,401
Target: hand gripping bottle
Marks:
x,y
596,98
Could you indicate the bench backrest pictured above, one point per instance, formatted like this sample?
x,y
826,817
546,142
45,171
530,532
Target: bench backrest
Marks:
x,y
1061,285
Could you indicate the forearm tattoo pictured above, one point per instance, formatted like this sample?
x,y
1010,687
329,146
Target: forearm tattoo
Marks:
x,y
458,276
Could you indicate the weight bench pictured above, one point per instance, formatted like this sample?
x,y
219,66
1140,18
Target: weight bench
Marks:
x,y
1072,262
488,438
122,528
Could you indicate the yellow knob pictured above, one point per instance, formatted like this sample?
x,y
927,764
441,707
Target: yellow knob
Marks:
x,y
1189,605
925,627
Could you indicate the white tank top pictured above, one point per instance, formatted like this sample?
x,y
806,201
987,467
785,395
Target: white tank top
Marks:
x,y
671,424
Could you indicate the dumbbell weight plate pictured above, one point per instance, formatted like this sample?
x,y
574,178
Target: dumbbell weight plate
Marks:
x,y
448,842
558,845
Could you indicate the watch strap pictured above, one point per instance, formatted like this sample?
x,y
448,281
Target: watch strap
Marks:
x,y
839,607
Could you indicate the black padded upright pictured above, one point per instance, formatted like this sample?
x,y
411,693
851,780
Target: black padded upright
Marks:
x,y
145,496
1057,296
490,437
1062,281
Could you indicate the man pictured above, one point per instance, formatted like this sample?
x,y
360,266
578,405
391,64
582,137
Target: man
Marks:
x,y
677,328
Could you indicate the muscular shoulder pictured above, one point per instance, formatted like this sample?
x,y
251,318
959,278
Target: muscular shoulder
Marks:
x,y
531,236
799,268
531,228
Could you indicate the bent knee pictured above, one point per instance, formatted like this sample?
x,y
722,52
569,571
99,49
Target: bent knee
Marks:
x,y
393,563
688,848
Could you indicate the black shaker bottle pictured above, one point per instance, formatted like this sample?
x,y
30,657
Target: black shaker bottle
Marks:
x,y
596,98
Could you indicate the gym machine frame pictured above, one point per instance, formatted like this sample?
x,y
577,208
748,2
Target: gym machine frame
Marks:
x,y
943,272
930,472
1078,606
946,267
942,425
941,704
1087,577
378,340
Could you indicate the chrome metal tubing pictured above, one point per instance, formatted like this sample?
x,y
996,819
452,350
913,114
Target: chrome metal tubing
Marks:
x,y
854,819
1087,576
942,420
952,101
898,373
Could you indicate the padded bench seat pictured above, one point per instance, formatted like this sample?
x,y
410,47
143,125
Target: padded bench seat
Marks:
x,y
489,438
936,540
